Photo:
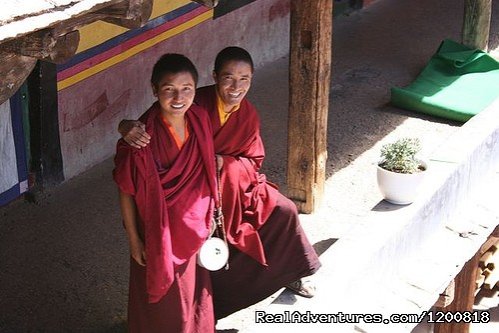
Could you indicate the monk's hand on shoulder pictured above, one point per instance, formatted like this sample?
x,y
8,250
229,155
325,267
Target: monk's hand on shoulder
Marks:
x,y
220,162
134,133
137,251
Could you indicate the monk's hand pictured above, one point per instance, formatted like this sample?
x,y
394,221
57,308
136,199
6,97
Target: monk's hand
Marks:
x,y
137,251
134,133
220,162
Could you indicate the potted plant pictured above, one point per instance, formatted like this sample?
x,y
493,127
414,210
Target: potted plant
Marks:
x,y
400,172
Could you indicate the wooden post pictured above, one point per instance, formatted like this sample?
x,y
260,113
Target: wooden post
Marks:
x,y
46,157
464,297
309,81
476,23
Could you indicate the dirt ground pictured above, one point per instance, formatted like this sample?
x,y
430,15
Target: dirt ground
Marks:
x,y
64,258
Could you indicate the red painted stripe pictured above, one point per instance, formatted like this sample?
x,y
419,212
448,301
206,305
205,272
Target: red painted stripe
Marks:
x,y
128,44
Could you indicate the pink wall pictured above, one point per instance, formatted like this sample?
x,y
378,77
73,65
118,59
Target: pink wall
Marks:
x,y
89,111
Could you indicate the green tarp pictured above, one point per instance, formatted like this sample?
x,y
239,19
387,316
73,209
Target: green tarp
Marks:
x,y
457,83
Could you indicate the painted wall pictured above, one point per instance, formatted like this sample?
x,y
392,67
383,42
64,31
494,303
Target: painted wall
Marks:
x,y
108,79
13,170
345,7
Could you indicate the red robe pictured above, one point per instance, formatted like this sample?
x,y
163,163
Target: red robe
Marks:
x,y
261,223
173,191
247,198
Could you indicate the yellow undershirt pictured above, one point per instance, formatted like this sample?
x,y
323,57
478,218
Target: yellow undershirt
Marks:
x,y
222,115
178,141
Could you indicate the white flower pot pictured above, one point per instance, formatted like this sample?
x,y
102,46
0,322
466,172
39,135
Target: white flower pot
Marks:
x,y
400,188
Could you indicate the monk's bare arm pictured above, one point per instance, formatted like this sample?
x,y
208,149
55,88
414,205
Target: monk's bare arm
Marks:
x,y
134,133
129,214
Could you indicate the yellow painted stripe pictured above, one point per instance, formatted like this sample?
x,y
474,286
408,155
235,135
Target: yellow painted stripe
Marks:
x,y
160,7
133,51
98,32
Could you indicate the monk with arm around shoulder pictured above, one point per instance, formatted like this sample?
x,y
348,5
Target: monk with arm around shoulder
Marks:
x,y
269,249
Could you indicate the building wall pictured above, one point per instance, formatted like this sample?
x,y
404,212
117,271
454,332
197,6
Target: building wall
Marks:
x,y
108,79
13,171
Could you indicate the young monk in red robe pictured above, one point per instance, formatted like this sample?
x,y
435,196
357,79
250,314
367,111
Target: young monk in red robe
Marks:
x,y
269,249
166,192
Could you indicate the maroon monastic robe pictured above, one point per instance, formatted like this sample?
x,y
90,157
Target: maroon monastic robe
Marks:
x,y
269,249
247,198
173,191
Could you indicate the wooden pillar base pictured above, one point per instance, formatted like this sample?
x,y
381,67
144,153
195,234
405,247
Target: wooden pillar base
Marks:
x,y
464,291
463,298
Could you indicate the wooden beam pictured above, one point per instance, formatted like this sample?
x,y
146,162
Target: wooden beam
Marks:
x,y
309,81
45,45
64,48
19,56
464,297
476,23
208,3
14,69
59,43
129,14
495,233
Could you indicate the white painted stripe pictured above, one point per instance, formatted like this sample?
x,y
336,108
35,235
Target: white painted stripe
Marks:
x,y
8,164
23,186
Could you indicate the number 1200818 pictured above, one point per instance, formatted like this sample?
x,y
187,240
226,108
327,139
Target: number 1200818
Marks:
x,y
458,316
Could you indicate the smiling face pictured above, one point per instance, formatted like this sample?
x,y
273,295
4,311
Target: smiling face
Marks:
x,y
175,93
233,81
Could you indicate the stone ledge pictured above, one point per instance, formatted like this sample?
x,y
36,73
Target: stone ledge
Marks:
x,y
399,259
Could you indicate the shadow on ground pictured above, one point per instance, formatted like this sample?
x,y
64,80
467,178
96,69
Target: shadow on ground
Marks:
x,y
368,59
